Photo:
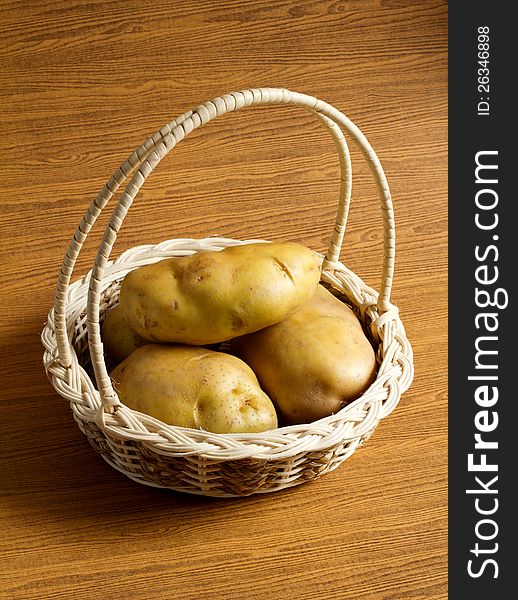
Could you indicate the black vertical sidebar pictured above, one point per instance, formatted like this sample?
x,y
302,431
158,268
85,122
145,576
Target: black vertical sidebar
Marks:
x,y
483,266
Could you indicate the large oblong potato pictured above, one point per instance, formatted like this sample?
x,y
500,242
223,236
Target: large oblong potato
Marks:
x,y
194,387
213,296
313,363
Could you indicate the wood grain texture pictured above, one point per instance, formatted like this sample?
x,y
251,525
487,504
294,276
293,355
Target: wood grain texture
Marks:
x,y
81,85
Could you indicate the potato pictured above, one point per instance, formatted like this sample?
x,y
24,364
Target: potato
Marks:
x,y
119,339
313,363
194,387
210,296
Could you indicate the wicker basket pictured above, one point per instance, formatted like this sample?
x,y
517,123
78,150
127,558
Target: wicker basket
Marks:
x,y
196,461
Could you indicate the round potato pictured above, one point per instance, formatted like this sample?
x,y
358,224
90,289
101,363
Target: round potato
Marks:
x,y
194,387
211,297
119,339
313,363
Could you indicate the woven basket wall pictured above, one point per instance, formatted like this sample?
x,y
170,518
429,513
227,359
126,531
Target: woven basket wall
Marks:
x,y
195,461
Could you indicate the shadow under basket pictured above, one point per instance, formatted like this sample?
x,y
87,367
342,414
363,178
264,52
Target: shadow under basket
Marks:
x,y
196,461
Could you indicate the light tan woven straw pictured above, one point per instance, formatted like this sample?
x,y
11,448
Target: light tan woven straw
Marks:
x,y
195,461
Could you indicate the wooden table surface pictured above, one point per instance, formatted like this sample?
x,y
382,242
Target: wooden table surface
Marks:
x,y
81,85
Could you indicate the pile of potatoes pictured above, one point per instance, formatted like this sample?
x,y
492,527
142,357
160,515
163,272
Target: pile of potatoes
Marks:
x,y
297,353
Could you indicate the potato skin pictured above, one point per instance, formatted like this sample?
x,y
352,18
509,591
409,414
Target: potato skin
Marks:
x,y
313,363
211,296
119,339
194,387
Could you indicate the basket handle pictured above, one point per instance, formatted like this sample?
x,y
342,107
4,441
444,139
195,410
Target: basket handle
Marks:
x,y
150,155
